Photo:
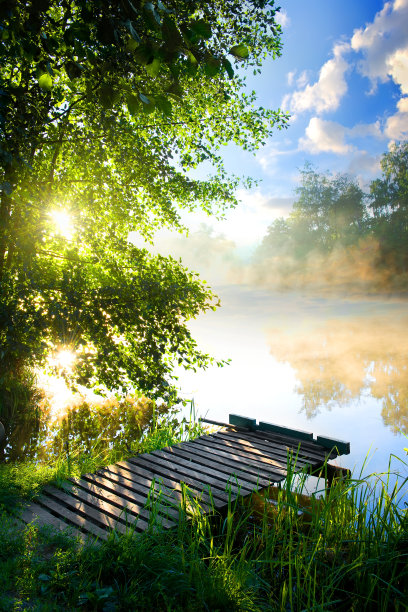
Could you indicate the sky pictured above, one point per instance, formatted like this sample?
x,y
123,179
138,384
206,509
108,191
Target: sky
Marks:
x,y
343,77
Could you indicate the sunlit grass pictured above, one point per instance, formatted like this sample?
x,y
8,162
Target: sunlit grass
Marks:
x,y
344,550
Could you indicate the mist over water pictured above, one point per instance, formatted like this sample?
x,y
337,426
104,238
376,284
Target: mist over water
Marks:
x,y
333,366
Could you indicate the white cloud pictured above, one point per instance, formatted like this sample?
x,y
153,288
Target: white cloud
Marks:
x,y
384,44
396,127
326,93
363,130
290,77
282,18
325,136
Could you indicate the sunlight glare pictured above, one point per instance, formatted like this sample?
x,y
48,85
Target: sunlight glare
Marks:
x,y
63,223
64,359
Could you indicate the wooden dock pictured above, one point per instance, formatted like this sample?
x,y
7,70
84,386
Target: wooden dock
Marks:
x,y
208,472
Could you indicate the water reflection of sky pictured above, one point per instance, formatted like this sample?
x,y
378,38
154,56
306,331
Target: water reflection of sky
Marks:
x,y
333,367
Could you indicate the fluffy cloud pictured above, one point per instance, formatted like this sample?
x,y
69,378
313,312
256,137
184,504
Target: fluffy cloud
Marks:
x,y
325,136
326,93
331,137
396,127
384,44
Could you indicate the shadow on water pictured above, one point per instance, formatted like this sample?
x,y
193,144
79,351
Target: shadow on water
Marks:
x,y
35,431
340,360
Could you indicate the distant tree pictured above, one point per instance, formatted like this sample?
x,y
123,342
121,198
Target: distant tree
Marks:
x,y
389,206
329,210
104,107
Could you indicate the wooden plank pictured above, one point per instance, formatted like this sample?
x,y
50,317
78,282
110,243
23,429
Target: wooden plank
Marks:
x,y
215,498
100,514
44,518
279,447
73,517
121,515
143,480
279,461
208,455
248,454
342,447
129,476
138,464
122,504
212,476
278,454
241,421
189,477
299,434
310,447
137,502
265,469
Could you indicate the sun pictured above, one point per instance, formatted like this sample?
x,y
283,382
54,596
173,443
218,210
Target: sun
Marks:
x,y
64,360
63,223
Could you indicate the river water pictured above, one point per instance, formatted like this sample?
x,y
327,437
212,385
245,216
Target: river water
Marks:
x,y
331,366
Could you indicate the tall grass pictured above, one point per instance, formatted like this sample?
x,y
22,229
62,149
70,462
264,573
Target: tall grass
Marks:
x,y
342,549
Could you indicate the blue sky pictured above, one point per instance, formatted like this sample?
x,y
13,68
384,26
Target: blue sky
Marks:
x,y
343,76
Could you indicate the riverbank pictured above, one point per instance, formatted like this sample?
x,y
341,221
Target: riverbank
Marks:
x,y
347,550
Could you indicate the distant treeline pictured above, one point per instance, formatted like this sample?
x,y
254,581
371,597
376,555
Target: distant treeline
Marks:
x,y
339,234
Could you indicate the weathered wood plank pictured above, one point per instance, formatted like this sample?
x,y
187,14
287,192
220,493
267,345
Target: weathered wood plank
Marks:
x,y
35,513
72,516
209,475
223,462
199,490
255,463
99,514
299,434
278,448
342,447
279,454
263,469
135,501
122,504
189,477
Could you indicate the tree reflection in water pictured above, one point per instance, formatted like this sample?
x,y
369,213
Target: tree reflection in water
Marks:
x,y
34,434
339,360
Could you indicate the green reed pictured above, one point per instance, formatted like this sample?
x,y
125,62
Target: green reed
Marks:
x,y
345,548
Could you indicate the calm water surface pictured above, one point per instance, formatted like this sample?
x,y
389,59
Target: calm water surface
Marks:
x,y
333,367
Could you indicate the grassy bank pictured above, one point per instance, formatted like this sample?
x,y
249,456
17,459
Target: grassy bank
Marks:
x,y
344,551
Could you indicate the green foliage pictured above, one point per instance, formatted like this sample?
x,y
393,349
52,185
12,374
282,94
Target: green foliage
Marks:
x,y
345,550
103,110
89,436
389,205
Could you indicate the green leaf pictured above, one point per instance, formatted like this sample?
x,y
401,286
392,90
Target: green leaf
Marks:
x,y
191,57
45,82
175,89
135,36
212,66
201,28
143,55
229,69
239,51
108,96
164,105
133,104
144,99
153,68
73,70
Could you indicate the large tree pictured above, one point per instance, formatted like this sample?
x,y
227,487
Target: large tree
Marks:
x,y
105,107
